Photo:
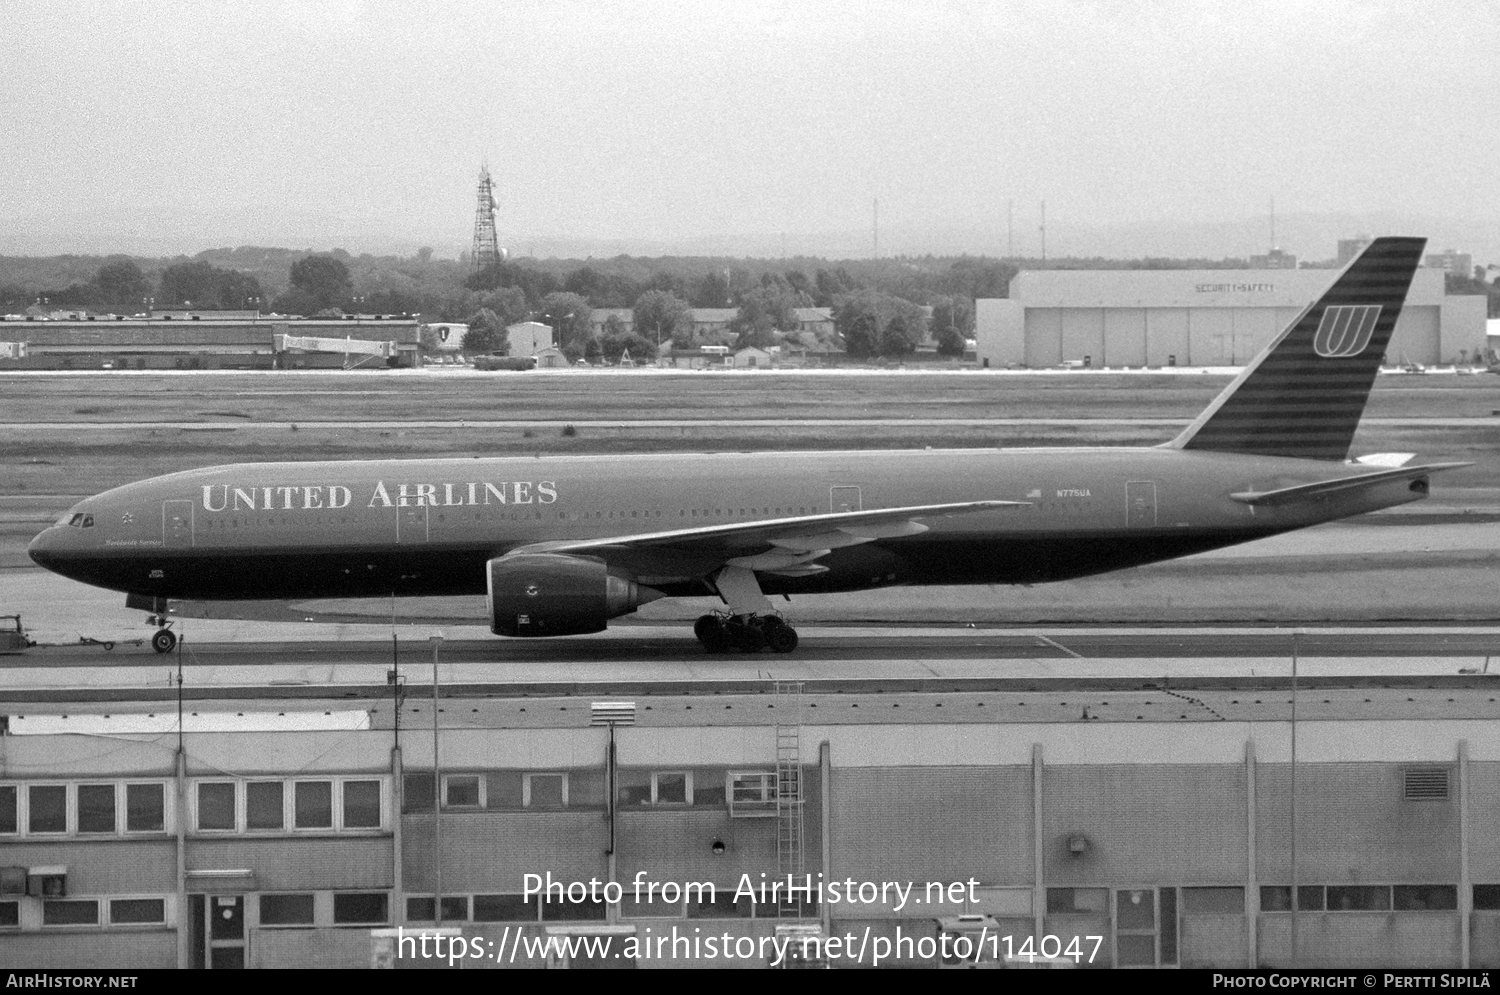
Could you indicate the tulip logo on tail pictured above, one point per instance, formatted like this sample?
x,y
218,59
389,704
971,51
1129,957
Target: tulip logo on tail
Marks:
x,y
1345,330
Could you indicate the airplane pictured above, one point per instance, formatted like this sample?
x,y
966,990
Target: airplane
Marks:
x,y
562,544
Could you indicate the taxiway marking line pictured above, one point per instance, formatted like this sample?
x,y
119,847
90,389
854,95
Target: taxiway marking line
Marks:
x,y
1059,646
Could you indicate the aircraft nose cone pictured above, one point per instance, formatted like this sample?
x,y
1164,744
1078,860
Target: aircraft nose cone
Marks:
x,y
43,549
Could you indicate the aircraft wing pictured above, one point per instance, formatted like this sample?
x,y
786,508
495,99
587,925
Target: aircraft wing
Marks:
x,y
1319,488
782,545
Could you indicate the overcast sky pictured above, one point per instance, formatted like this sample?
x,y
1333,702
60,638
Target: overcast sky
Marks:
x,y
658,122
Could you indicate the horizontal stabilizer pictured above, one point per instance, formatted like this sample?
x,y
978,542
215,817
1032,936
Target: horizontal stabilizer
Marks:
x,y
1320,488
1392,460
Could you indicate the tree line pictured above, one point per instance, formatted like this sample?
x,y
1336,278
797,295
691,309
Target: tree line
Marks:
x,y
876,304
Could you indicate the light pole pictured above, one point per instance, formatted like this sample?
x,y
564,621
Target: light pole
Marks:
x,y
437,793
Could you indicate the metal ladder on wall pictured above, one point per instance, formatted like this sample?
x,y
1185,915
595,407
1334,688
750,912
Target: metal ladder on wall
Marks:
x,y
790,861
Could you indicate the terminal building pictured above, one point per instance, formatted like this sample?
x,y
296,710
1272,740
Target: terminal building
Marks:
x,y
1129,829
1159,318
191,341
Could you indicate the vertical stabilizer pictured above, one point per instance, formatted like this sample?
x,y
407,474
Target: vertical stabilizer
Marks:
x,y
1304,394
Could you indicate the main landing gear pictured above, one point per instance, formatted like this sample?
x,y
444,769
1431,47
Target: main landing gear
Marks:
x,y
745,633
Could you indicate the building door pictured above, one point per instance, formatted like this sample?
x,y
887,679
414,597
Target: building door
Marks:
x,y
1140,504
218,931
1145,927
177,524
843,499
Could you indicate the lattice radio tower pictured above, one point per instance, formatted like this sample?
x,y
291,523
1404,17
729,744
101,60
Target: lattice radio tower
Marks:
x,y
486,243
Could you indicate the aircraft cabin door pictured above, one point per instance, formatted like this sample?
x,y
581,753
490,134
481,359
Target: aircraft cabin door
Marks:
x,y
411,524
1140,504
843,499
177,524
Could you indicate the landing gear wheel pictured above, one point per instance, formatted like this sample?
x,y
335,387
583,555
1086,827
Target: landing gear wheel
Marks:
x,y
747,638
782,638
712,633
164,641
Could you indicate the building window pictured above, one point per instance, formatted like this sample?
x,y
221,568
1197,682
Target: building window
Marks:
x,y
10,914
566,911
361,805
461,791
1278,898
47,808
1487,897
723,906
71,912
502,789
752,792
216,809
286,910
264,805
145,808
1213,901
9,811
709,787
1359,898
504,908
419,908
671,788
653,908
541,791
1424,897
137,911
416,793
96,808
1078,901
359,908
312,804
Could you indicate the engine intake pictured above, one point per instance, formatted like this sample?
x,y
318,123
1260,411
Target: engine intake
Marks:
x,y
555,594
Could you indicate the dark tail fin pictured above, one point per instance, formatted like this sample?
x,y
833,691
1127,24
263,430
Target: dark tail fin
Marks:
x,y
1304,394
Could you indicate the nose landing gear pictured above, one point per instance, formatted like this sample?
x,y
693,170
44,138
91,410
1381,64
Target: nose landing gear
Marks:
x,y
745,633
163,640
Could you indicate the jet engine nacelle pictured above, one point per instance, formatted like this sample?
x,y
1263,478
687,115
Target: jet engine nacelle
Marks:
x,y
554,594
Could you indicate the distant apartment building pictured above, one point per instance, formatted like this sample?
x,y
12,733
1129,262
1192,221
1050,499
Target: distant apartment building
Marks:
x,y
1449,261
1351,247
1275,259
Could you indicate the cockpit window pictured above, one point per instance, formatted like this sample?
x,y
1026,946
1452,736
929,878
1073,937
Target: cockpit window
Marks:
x,y
75,521
88,521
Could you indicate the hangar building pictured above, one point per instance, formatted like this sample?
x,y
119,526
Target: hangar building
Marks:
x,y
1138,318
174,340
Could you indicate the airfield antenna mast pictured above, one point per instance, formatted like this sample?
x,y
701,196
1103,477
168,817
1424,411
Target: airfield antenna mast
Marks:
x,y
1043,230
486,243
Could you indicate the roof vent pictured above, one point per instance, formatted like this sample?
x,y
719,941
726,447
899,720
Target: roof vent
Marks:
x,y
1425,784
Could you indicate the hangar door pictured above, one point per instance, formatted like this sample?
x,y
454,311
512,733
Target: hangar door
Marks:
x,y
1043,338
1124,337
1416,338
